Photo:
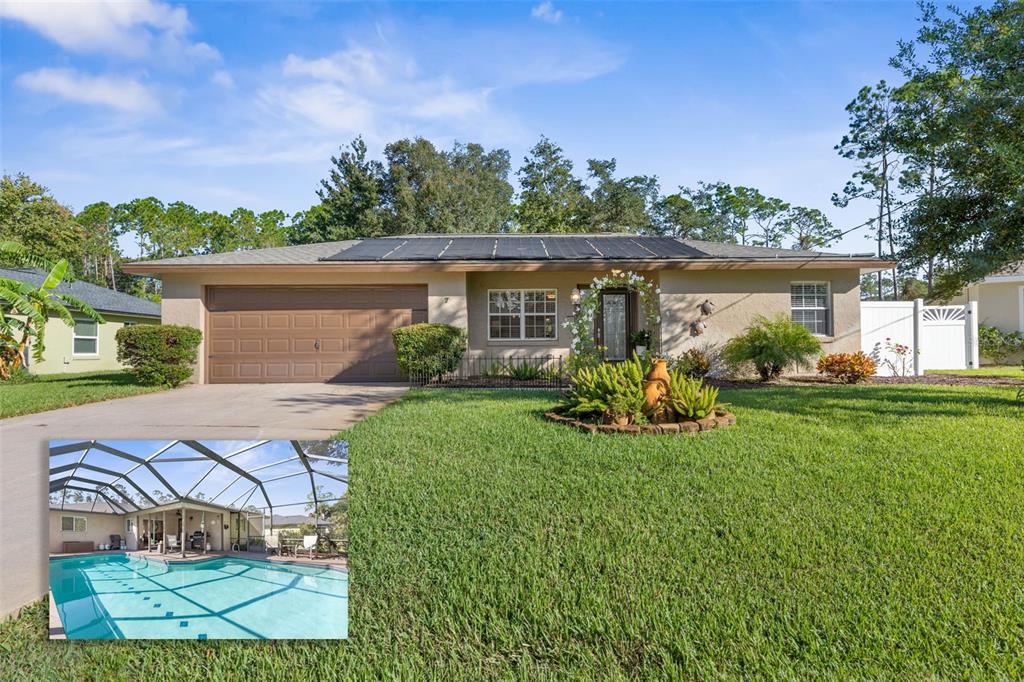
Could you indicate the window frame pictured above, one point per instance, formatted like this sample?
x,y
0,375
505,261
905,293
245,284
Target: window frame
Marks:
x,y
827,308
75,336
523,315
74,519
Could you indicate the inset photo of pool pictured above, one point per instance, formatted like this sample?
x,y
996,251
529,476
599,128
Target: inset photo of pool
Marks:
x,y
198,539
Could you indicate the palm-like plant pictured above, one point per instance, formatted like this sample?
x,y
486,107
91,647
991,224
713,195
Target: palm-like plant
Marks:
x,y
24,308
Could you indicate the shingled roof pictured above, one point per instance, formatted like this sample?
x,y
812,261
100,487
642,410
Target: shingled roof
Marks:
x,y
99,298
475,248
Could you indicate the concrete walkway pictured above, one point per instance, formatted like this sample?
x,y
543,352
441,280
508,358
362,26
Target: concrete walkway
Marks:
x,y
227,411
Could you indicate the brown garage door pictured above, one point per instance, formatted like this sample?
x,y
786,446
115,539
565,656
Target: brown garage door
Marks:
x,y
286,334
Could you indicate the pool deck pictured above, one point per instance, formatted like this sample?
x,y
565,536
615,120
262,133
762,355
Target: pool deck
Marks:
x,y
192,557
56,625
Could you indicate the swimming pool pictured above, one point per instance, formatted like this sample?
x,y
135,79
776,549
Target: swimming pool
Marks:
x,y
126,597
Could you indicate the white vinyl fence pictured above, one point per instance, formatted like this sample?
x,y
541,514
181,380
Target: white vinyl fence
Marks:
x,y
935,336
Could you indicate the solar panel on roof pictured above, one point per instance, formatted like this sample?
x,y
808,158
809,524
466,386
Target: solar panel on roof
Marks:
x,y
368,249
470,248
620,248
421,248
520,248
667,247
570,248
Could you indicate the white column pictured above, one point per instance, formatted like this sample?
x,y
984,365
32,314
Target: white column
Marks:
x,y
918,340
971,334
163,519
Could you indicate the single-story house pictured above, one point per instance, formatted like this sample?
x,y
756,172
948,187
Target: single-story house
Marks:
x,y
1000,299
87,346
323,312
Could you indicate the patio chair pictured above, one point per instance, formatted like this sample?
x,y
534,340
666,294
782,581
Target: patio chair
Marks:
x,y
273,545
308,543
115,541
172,543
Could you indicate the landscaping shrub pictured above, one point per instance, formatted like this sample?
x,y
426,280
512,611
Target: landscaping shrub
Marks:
x,y
611,389
20,375
615,392
772,345
997,345
850,368
428,350
690,398
158,354
694,363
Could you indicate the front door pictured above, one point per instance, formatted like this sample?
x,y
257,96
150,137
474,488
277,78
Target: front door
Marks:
x,y
615,324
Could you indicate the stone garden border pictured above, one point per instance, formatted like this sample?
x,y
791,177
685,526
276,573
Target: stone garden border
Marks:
x,y
721,420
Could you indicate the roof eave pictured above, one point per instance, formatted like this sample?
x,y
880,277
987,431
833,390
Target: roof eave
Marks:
x,y
870,265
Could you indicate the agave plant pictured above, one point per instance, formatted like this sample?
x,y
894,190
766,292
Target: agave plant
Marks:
x,y
25,309
690,398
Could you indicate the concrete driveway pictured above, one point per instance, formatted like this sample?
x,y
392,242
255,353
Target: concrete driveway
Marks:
x,y
248,412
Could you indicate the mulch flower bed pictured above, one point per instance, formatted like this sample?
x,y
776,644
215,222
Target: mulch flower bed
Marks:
x,y
721,420
931,379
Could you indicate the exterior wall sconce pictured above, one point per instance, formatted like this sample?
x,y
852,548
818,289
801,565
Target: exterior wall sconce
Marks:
x,y
575,296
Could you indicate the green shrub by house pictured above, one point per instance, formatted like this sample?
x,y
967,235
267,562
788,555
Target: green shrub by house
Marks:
x,y
158,354
428,350
997,345
772,345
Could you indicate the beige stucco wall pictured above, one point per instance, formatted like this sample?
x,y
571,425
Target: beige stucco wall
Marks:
x,y
461,299
563,280
98,528
59,356
184,301
1000,305
739,295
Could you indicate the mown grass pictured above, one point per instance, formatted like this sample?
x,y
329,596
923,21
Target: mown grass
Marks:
x,y
54,391
836,532
1012,371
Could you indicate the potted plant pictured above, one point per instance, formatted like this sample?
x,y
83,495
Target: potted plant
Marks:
x,y
641,340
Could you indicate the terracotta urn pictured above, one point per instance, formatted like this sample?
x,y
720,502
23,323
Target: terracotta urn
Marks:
x,y
656,386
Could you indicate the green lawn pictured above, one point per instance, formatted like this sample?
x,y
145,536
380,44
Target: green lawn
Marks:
x,y
53,391
836,532
1013,371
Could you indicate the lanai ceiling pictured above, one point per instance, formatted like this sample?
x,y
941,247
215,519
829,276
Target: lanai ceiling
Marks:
x,y
266,476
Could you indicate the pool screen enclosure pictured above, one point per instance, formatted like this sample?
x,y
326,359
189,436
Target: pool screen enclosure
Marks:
x,y
264,477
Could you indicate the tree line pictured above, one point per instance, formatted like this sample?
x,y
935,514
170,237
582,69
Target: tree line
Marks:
x,y
940,158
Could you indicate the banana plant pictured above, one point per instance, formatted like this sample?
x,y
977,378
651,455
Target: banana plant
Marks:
x,y
25,309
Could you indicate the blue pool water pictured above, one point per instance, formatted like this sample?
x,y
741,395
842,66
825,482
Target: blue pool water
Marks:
x,y
121,597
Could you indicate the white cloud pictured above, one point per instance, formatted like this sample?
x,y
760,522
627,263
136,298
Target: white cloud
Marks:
x,y
359,89
546,11
223,78
124,94
130,29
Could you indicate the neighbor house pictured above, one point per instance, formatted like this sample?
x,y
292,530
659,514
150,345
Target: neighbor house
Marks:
x,y
324,312
87,346
1000,299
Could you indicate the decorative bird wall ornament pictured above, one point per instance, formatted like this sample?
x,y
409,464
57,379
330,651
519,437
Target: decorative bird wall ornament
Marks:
x,y
707,307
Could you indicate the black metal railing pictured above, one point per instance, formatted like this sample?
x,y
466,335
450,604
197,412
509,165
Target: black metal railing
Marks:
x,y
493,371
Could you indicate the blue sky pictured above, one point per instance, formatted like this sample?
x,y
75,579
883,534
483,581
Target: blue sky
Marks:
x,y
229,104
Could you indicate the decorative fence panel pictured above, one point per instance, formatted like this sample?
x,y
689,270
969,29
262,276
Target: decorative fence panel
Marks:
x,y
937,337
492,371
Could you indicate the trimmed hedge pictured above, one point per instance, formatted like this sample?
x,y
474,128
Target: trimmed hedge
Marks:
x,y
427,350
158,354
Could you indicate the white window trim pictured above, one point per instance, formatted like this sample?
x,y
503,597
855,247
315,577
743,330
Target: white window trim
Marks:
x,y
522,315
828,307
75,336
1020,301
85,523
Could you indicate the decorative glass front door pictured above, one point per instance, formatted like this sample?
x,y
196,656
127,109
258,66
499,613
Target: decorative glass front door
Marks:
x,y
613,325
